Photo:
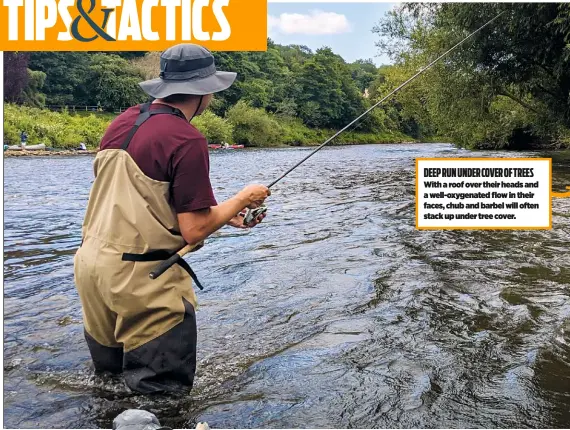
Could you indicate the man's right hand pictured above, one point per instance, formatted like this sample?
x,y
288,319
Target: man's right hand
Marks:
x,y
197,225
255,195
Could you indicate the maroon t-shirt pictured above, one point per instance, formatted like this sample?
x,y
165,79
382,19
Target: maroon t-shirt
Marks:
x,y
167,148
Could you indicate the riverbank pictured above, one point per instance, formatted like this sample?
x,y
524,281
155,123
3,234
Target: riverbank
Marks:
x,y
243,125
68,152
24,153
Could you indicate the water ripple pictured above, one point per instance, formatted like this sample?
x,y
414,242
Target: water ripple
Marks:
x,y
335,312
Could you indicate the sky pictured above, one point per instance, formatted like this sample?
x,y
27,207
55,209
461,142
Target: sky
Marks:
x,y
345,27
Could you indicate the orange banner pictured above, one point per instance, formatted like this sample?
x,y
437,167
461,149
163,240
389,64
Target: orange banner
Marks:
x,y
132,25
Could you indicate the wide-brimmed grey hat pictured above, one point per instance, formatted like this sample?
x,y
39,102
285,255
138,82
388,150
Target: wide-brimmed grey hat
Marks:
x,y
187,69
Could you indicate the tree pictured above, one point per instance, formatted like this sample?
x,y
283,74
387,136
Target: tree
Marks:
x,y
232,62
148,65
363,73
114,82
301,87
130,55
15,75
253,127
66,74
257,92
329,97
32,95
512,76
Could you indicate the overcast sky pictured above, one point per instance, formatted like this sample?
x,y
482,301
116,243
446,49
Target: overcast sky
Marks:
x,y
345,27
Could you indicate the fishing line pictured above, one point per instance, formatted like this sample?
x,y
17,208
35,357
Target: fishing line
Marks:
x,y
422,70
252,214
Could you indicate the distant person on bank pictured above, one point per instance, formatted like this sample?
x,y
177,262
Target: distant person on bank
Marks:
x,y
151,196
23,138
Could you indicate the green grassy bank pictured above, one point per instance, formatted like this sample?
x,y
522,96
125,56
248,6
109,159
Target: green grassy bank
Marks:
x,y
241,125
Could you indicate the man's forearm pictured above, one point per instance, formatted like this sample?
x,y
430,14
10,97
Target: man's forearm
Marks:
x,y
225,211
199,227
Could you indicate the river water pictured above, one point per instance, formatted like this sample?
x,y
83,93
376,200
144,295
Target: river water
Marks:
x,y
333,313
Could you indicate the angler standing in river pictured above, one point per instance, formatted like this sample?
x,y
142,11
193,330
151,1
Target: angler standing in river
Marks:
x,y
151,196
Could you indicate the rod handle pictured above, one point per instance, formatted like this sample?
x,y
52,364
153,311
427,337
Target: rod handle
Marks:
x,y
164,266
167,264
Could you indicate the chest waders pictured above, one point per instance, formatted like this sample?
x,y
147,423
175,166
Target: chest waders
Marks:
x,y
144,328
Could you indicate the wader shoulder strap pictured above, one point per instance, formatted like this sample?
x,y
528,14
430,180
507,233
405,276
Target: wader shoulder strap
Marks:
x,y
146,113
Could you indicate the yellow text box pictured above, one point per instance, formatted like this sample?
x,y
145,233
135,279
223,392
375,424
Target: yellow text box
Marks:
x,y
483,193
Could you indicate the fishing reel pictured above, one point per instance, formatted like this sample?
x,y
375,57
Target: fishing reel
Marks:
x,y
252,214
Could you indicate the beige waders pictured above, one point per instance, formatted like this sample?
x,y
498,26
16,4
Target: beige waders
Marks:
x,y
145,328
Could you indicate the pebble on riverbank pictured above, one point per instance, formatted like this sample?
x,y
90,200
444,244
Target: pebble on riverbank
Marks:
x,y
24,153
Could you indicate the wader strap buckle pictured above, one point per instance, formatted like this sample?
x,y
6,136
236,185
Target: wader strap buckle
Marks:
x,y
161,255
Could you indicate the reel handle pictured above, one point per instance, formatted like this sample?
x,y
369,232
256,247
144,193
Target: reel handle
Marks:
x,y
252,214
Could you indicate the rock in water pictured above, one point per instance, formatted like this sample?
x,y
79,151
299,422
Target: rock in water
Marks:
x,y
136,419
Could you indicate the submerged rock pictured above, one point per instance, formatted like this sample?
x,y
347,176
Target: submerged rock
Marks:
x,y
137,419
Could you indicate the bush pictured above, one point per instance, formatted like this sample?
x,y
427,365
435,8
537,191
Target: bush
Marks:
x,y
55,129
244,125
254,127
295,133
215,128
11,134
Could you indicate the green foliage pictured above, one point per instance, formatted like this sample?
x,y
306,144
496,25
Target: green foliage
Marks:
x,y
66,74
129,55
354,138
285,95
244,124
83,78
407,111
32,95
287,107
11,132
507,88
320,88
295,133
15,75
55,129
329,97
254,127
115,82
257,92
363,73
214,128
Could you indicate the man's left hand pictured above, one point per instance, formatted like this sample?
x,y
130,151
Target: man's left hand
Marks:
x,y
237,221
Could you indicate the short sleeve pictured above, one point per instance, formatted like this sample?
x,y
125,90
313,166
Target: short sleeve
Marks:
x,y
191,187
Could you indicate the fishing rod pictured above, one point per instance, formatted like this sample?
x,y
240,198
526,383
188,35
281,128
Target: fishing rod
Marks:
x,y
252,214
